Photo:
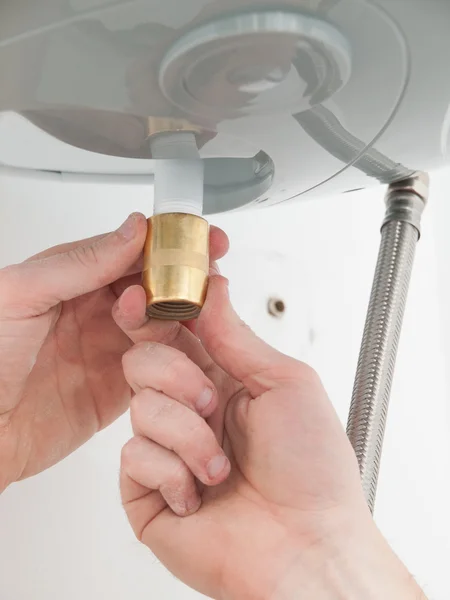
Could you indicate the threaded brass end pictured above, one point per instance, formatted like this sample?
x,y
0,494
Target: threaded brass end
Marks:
x,y
176,266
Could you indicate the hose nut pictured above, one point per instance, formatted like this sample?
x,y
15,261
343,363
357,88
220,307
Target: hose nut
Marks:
x,y
418,184
406,200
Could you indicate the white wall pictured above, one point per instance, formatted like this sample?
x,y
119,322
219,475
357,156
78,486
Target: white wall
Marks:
x,y
64,535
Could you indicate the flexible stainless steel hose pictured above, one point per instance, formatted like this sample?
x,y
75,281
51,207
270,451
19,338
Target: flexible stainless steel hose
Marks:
x,y
368,413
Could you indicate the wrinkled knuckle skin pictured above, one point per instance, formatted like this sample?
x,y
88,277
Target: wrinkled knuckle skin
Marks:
x,y
86,256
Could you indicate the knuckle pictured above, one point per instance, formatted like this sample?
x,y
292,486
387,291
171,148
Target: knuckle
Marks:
x,y
145,348
171,363
179,476
302,373
144,408
292,372
135,408
308,373
128,455
176,364
86,256
136,354
197,437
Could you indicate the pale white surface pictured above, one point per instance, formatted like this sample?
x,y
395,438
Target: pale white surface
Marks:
x,y
64,536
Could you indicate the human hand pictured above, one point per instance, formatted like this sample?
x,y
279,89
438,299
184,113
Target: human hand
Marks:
x,y
61,377
256,493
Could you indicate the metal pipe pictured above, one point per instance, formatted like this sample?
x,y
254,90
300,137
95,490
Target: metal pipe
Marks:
x,y
400,232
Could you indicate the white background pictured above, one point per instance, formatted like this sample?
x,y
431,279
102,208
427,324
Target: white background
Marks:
x,y
63,535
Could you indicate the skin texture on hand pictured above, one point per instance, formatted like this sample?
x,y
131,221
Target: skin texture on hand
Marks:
x,y
61,376
240,477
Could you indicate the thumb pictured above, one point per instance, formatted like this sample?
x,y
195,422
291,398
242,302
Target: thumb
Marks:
x,y
32,288
235,348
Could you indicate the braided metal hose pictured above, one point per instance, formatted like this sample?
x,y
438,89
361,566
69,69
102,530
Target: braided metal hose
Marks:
x,y
368,413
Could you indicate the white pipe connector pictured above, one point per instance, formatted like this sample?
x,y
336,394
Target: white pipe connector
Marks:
x,y
179,174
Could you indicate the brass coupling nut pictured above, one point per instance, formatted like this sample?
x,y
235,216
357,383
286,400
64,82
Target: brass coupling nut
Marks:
x,y
176,266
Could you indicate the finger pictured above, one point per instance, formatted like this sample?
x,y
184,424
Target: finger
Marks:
x,y
147,467
234,347
178,337
143,505
129,314
173,426
135,271
62,248
192,325
169,371
219,244
32,288
122,285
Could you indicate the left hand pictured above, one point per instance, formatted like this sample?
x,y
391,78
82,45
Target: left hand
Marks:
x,y
61,377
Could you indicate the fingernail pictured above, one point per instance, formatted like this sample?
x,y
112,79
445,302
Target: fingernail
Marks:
x,y
193,505
217,465
205,400
128,229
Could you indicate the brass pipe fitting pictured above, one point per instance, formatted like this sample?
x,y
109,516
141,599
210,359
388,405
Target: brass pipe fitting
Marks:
x,y
176,266
161,125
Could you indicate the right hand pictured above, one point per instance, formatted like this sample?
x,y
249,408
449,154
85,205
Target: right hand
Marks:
x,y
256,495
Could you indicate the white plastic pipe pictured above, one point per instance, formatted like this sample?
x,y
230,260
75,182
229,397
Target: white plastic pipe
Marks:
x,y
179,174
